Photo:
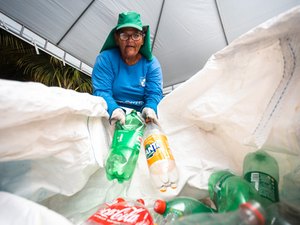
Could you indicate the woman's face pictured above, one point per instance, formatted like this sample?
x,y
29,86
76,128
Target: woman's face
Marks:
x,y
129,40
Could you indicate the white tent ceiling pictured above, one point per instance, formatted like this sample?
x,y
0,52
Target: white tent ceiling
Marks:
x,y
184,33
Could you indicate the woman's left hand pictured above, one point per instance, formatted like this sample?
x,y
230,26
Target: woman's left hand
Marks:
x,y
149,115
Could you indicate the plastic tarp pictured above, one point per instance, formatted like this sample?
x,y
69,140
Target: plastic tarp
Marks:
x,y
184,34
54,141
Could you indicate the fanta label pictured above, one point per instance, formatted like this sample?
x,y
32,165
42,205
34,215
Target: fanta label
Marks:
x,y
157,148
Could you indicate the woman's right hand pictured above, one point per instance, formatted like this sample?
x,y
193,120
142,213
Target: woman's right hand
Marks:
x,y
117,115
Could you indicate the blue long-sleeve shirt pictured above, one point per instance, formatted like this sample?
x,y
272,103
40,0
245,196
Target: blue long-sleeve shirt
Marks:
x,y
136,86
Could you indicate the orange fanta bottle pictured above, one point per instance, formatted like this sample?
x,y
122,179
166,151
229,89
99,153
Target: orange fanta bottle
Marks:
x,y
161,162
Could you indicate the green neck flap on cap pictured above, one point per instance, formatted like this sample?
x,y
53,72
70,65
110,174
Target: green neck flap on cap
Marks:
x,y
130,19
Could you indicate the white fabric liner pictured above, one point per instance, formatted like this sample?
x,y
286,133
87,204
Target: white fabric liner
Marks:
x,y
54,141
16,210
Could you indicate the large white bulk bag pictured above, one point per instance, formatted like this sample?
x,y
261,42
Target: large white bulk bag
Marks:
x,y
54,141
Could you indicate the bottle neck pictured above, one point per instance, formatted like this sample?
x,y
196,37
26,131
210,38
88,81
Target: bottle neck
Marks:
x,y
252,213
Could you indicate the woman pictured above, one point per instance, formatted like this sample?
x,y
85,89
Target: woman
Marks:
x,y
126,74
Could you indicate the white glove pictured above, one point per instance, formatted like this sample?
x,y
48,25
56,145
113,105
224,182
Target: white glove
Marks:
x,y
149,115
117,115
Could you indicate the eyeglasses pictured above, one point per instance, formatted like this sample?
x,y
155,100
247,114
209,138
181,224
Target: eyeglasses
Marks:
x,y
134,36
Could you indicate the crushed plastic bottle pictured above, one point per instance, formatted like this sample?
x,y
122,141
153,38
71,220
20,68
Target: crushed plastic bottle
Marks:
x,y
228,191
121,212
125,148
248,213
161,162
178,207
282,213
261,169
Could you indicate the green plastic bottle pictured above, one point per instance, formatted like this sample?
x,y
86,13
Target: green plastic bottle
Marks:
x,y
180,206
261,169
125,148
249,213
228,191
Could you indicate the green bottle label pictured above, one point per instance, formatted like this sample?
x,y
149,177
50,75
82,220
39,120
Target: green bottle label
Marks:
x,y
127,139
130,134
265,184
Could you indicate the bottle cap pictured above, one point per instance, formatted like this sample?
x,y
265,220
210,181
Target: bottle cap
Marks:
x,y
118,200
160,206
140,200
256,209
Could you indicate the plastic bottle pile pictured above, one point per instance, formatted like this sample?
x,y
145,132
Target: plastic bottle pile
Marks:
x,y
259,182
248,199
190,211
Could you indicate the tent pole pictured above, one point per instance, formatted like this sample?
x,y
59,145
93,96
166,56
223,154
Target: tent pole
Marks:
x,y
222,25
78,18
158,22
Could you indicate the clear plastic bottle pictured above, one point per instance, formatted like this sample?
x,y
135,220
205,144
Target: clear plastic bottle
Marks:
x,y
121,212
283,213
261,169
161,162
249,213
178,207
125,148
228,191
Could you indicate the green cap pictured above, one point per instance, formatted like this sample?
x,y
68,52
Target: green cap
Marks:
x,y
130,19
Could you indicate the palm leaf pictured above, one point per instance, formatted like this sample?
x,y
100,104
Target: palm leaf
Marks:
x,y
17,55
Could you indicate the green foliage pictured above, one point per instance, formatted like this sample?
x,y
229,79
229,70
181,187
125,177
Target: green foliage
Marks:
x,y
19,61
